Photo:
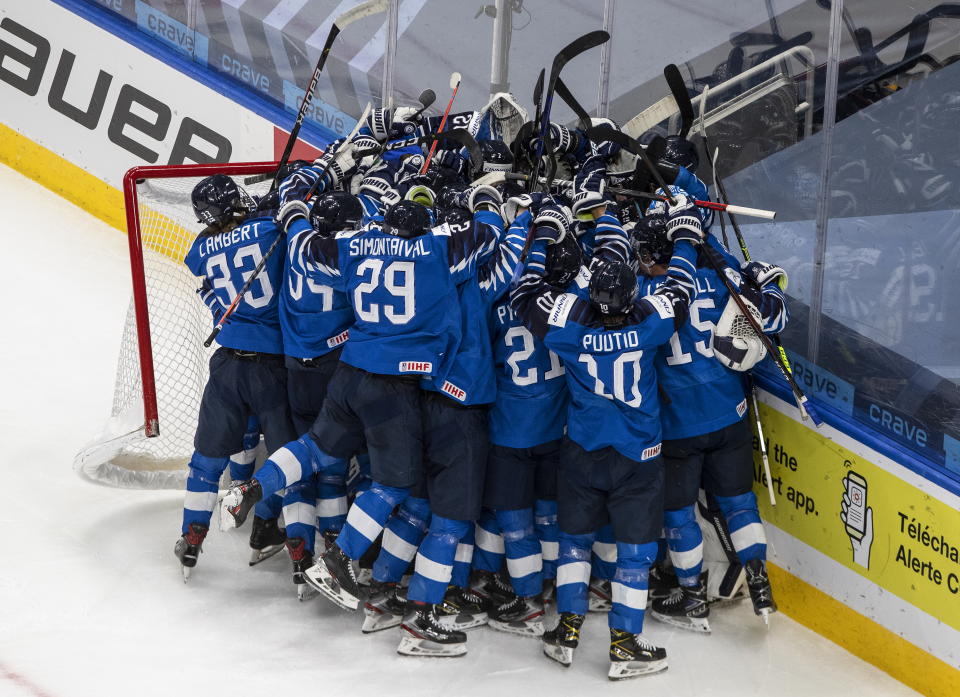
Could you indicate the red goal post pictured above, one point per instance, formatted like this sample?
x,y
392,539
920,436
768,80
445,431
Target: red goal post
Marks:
x,y
161,370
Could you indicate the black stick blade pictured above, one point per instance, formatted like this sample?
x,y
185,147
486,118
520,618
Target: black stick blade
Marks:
x,y
678,89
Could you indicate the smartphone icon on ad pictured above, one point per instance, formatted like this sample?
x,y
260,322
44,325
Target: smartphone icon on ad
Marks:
x,y
856,513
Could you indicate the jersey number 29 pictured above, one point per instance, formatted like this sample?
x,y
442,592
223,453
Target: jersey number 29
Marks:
x,y
398,280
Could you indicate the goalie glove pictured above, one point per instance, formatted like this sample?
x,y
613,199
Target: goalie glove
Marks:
x,y
683,221
763,274
735,344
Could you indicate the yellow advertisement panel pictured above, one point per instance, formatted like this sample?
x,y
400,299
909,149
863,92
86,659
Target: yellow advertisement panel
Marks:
x,y
861,515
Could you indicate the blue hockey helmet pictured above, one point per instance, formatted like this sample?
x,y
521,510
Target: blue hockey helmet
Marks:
x,y
613,288
335,211
217,199
407,219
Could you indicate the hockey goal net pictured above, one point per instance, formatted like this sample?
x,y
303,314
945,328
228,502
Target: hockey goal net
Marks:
x,y
162,368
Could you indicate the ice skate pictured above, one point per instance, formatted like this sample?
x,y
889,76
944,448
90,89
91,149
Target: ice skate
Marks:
x,y
686,607
560,642
384,609
631,656
492,588
302,559
188,548
422,634
600,596
461,609
523,616
760,591
266,539
238,502
333,576
663,580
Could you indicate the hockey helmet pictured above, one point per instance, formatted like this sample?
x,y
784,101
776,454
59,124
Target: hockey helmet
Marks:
x,y
563,261
649,240
613,288
217,198
407,219
335,211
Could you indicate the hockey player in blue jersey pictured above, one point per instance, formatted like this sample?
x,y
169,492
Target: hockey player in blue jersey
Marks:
x,y
247,376
315,319
526,426
611,465
400,276
707,440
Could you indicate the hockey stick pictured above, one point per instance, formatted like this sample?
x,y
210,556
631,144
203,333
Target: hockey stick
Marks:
x,y
463,137
218,327
605,132
366,9
568,52
583,117
426,99
455,86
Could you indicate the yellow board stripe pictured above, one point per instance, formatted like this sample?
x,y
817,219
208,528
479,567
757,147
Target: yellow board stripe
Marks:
x,y
63,177
863,637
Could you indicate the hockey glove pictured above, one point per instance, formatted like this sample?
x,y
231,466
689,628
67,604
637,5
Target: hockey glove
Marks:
x,y
763,274
588,187
515,204
291,211
481,197
683,221
552,223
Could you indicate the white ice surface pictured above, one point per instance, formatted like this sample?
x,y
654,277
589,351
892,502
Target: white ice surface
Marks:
x,y
91,598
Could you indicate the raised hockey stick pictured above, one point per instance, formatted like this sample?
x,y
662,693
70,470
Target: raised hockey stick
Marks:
x,y
365,9
218,327
605,132
464,138
572,50
671,74
455,86
583,116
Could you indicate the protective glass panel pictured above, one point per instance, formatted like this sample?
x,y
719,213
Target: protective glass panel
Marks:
x,y
891,332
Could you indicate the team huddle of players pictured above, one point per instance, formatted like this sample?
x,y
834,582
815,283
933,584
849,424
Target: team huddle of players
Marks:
x,y
520,394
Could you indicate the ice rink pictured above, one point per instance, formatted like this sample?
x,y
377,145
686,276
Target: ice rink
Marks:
x,y
92,603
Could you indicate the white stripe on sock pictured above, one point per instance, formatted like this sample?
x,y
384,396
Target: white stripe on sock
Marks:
x,y
200,500
631,597
688,559
524,566
606,551
363,523
747,536
432,570
573,572
329,508
397,546
288,464
488,541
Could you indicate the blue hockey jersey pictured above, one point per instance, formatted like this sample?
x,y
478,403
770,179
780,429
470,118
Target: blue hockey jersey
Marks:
x,y
610,372
225,261
532,395
701,394
314,316
402,290
470,378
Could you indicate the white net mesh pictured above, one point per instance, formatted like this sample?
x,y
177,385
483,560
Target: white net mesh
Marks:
x,y
122,455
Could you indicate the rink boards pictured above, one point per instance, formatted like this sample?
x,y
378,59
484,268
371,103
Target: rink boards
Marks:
x,y
885,585
83,105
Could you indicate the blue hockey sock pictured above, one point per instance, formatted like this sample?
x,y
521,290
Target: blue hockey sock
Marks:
x,y
488,553
332,497
604,553
573,572
629,586
367,516
743,520
463,560
402,535
435,558
524,563
685,541
545,523
300,513
203,483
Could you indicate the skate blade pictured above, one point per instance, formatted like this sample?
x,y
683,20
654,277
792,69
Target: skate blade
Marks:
x,y
185,571
622,670
259,555
375,621
528,628
415,646
561,654
324,585
227,522
700,625
461,622
764,614
305,592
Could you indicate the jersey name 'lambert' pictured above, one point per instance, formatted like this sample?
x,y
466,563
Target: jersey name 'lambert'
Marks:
x,y
392,246
215,243
610,341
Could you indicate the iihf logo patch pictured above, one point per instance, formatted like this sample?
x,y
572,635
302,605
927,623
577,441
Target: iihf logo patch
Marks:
x,y
651,452
742,408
